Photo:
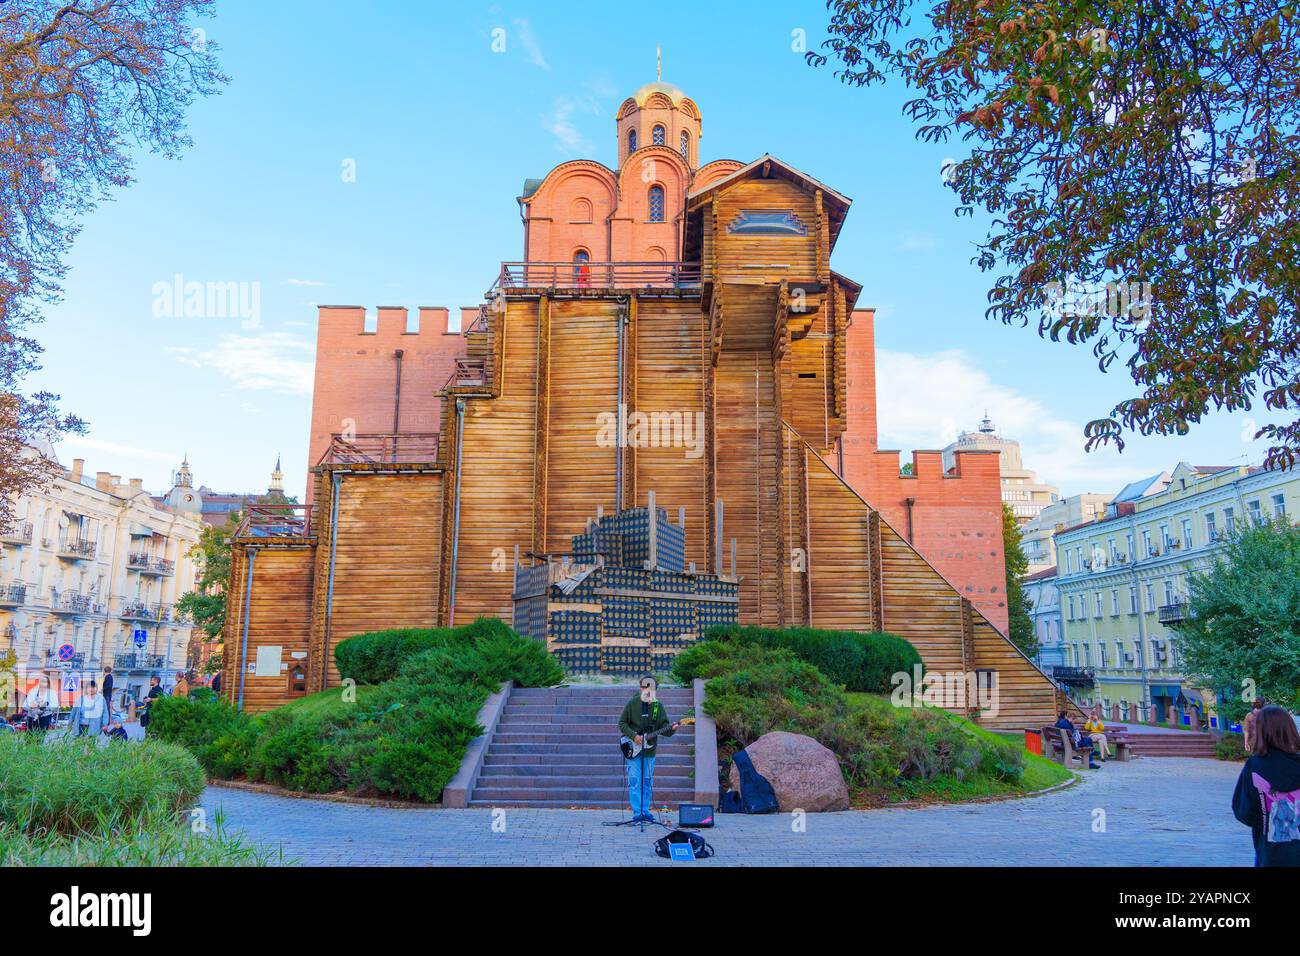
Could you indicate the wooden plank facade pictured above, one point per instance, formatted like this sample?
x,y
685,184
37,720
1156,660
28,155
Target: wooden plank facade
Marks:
x,y
722,395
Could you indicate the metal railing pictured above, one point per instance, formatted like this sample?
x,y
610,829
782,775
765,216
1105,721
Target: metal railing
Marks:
x,y
1174,613
276,521
141,611
1075,676
380,448
73,602
146,563
13,594
138,662
19,532
467,373
598,275
78,548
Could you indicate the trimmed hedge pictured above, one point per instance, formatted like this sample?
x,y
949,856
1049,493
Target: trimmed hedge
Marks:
x,y
406,739
377,656
859,661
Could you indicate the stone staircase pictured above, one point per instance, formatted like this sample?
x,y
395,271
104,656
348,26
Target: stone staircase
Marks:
x,y
1178,743
558,747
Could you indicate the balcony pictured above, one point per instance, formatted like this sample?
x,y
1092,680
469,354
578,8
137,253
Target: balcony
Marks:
x,y
467,373
416,447
151,613
277,521
19,533
137,662
76,549
1173,614
71,602
598,277
13,595
1075,676
147,564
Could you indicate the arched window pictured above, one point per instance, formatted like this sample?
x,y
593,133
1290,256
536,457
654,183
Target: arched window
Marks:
x,y
582,267
631,141
656,204
686,145
657,136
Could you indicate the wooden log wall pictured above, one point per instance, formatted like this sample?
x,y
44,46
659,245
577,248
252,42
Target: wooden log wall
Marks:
x,y
279,616
387,557
498,472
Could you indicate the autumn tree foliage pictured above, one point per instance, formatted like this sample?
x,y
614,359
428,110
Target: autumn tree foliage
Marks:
x,y
1140,157
81,86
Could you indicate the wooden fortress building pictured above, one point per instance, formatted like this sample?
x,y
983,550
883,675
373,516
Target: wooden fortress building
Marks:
x,y
673,328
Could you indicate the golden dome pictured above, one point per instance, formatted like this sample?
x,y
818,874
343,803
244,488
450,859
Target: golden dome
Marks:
x,y
672,92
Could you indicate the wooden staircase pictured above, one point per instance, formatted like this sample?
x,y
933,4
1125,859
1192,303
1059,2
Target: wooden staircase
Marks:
x,y
1177,743
558,747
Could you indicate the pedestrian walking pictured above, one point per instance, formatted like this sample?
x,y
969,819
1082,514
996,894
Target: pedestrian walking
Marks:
x,y
90,714
1267,798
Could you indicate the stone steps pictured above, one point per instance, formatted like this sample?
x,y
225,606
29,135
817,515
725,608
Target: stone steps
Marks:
x,y
558,747
1179,744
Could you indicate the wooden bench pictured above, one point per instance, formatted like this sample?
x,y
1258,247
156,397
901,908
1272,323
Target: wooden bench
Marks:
x,y
1059,747
1117,737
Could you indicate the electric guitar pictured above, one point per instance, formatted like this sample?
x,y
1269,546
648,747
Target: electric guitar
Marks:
x,y
631,748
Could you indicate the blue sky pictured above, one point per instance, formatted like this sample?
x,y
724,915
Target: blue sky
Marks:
x,y
442,131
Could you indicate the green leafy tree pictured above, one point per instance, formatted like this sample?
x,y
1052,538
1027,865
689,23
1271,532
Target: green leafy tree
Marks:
x,y
1242,637
1019,624
1138,166
206,604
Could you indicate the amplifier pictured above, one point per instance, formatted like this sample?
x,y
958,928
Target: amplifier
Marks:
x,y
694,815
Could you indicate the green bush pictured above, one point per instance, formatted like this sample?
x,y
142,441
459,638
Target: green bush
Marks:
x,y
218,734
408,737
859,661
75,787
376,657
1230,746
753,690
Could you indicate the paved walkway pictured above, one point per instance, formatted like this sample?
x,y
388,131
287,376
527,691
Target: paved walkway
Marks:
x,y
1157,812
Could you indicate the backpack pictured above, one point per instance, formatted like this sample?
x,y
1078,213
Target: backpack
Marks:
x,y
1281,811
699,846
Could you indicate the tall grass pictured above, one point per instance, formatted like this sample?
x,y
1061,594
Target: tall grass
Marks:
x,y
73,803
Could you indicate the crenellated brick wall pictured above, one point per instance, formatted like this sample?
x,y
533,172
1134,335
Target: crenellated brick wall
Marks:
x,y
953,519
356,371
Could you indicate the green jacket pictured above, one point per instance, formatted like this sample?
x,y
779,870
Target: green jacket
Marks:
x,y
632,724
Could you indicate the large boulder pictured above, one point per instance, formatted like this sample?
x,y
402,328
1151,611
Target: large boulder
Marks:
x,y
805,775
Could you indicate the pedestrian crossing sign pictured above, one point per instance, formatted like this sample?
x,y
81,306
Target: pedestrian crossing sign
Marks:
x,y
70,683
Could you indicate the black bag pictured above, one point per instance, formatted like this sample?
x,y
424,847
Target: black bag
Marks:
x,y
729,802
699,845
756,794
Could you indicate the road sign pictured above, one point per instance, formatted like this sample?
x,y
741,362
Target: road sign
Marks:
x,y
66,652
70,683
140,636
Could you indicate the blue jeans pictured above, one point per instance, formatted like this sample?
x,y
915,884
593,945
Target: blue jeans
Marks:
x,y
634,785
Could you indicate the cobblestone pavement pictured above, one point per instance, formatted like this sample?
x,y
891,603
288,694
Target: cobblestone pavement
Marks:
x,y
1157,812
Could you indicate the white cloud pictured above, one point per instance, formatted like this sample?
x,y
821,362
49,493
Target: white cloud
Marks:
x,y
560,122
95,444
524,32
273,361
925,401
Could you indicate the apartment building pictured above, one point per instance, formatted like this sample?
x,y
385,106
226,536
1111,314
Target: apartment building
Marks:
x,y
1022,492
1037,536
90,572
1123,584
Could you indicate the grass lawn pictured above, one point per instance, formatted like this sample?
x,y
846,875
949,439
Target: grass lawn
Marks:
x,y
327,702
1039,772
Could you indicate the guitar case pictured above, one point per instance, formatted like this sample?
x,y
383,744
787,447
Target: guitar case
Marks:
x,y
756,793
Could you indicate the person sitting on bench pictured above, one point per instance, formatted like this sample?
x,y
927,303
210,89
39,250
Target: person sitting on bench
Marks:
x,y
1095,728
1066,727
